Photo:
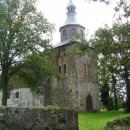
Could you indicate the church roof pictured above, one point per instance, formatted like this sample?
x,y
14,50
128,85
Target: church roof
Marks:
x,y
70,22
61,43
66,42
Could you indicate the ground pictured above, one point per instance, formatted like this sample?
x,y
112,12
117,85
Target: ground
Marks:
x,y
97,121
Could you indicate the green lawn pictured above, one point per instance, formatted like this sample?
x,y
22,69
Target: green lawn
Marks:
x,y
97,121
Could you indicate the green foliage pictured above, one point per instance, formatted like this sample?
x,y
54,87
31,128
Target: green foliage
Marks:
x,y
122,123
36,72
113,53
3,127
24,32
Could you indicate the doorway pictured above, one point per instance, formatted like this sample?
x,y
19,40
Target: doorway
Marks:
x,y
89,104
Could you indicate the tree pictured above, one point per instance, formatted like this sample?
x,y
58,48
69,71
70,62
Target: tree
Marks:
x,y
36,72
104,87
113,51
23,32
122,35
119,32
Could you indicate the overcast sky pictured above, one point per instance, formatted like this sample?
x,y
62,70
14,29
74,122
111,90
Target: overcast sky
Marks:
x,y
92,15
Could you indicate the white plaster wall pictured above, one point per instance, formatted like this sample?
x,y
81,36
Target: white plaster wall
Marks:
x,y
26,99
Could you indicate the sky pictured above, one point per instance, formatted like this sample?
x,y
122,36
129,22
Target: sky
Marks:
x,y
91,15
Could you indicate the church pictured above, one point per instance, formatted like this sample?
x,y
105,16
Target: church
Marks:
x,y
76,87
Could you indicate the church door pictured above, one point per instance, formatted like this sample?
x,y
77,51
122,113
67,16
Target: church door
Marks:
x,y
89,104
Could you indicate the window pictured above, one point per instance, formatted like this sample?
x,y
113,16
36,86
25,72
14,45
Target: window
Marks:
x,y
73,30
59,68
58,53
71,9
64,68
89,70
64,32
82,33
85,71
64,51
17,95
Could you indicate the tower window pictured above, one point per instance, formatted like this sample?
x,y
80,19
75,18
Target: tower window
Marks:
x,y
89,70
64,68
59,68
64,51
64,32
73,30
58,53
85,71
81,33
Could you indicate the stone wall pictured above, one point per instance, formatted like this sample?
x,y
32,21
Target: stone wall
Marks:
x,y
39,119
72,88
64,88
87,82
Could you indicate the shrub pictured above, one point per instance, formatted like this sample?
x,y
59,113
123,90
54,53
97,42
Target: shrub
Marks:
x,y
119,124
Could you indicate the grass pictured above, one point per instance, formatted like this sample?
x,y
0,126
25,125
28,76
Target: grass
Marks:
x,y
97,121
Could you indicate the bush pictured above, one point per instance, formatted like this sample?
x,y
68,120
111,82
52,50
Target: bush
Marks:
x,y
3,127
119,124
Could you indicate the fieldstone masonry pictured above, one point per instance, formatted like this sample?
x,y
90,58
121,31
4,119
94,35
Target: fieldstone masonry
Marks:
x,y
77,82
39,119
76,87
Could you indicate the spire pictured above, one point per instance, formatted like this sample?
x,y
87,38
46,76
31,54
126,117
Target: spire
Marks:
x,y
70,3
71,13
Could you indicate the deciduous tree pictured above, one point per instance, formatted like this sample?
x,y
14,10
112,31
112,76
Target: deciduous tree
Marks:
x,y
113,51
23,32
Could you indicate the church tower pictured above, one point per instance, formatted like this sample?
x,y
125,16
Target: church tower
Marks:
x,y
76,86
71,27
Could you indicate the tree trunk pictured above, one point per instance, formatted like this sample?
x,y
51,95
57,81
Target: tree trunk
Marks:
x,y
104,90
115,98
127,80
4,83
115,93
5,95
128,94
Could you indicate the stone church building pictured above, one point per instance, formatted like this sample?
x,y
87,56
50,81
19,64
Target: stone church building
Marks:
x,y
77,85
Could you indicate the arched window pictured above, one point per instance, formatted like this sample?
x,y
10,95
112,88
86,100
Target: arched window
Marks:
x,y
81,33
64,68
89,70
59,67
85,71
64,32
73,30
58,53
